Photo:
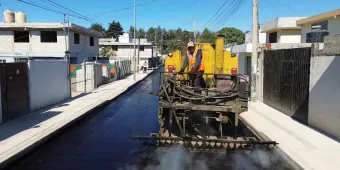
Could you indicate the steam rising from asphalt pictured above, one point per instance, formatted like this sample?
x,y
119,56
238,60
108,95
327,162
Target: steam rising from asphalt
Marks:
x,y
177,158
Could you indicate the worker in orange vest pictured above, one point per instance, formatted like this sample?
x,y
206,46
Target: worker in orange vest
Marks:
x,y
194,59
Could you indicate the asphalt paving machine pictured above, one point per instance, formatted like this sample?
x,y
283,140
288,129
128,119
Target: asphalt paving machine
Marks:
x,y
202,119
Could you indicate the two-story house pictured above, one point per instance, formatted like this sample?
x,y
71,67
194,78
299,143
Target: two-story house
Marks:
x,y
123,47
315,27
19,41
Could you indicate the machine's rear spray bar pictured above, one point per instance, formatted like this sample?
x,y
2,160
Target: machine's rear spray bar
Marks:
x,y
198,144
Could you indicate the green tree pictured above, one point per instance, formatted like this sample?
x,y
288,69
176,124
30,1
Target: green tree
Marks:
x,y
207,36
232,35
114,30
141,33
131,31
107,53
98,27
150,35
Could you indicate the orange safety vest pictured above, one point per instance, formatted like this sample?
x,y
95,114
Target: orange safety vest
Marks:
x,y
192,61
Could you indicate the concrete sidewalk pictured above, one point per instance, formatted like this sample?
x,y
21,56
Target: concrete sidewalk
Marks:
x,y
19,136
306,146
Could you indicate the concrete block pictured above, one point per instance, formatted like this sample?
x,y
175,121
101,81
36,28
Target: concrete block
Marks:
x,y
332,45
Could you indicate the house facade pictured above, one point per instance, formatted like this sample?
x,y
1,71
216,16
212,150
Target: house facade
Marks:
x,y
327,23
123,46
20,41
282,30
244,52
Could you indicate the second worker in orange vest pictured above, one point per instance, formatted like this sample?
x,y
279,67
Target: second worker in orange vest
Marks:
x,y
194,59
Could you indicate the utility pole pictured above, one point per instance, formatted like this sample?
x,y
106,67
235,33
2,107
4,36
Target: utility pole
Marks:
x,y
156,47
195,30
134,44
255,41
194,19
162,43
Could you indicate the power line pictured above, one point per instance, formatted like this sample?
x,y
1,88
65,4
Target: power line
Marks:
x,y
86,18
224,12
46,1
284,4
123,9
215,14
232,12
42,7
56,11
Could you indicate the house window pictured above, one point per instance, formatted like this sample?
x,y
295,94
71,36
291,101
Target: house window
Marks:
x,y
2,61
141,48
76,38
20,60
273,37
115,48
73,60
91,41
48,36
21,36
320,25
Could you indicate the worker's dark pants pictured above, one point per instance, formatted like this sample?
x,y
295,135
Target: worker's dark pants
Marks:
x,y
196,79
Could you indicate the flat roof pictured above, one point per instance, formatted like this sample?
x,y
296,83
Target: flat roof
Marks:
x,y
110,41
280,23
36,25
319,17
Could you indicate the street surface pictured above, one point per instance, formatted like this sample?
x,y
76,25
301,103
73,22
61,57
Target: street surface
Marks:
x,y
103,141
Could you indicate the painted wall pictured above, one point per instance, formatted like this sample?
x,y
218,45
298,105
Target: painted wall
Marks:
x,y
242,57
287,36
48,82
290,36
8,45
83,50
333,28
126,51
9,48
324,92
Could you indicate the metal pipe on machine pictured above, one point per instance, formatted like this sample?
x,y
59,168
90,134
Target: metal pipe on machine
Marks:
x,y
219,56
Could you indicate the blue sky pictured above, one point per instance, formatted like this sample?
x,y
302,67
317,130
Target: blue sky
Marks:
x,y
171,13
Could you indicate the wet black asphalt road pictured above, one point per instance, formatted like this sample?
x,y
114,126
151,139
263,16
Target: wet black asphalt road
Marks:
x,y
104,139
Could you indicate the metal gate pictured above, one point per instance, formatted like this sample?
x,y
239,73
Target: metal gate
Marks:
x,y
14,90
286,81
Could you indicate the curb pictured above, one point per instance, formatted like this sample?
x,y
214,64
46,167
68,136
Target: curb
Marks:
x,y
21,154
277,151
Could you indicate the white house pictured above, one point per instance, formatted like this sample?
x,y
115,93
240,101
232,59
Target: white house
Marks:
x,y
123,46
19,41
282,30
244,52
328,22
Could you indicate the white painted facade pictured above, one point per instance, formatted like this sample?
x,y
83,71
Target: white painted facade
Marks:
x,y
285,28
123,46
48,82
286,36
243,52
9,50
